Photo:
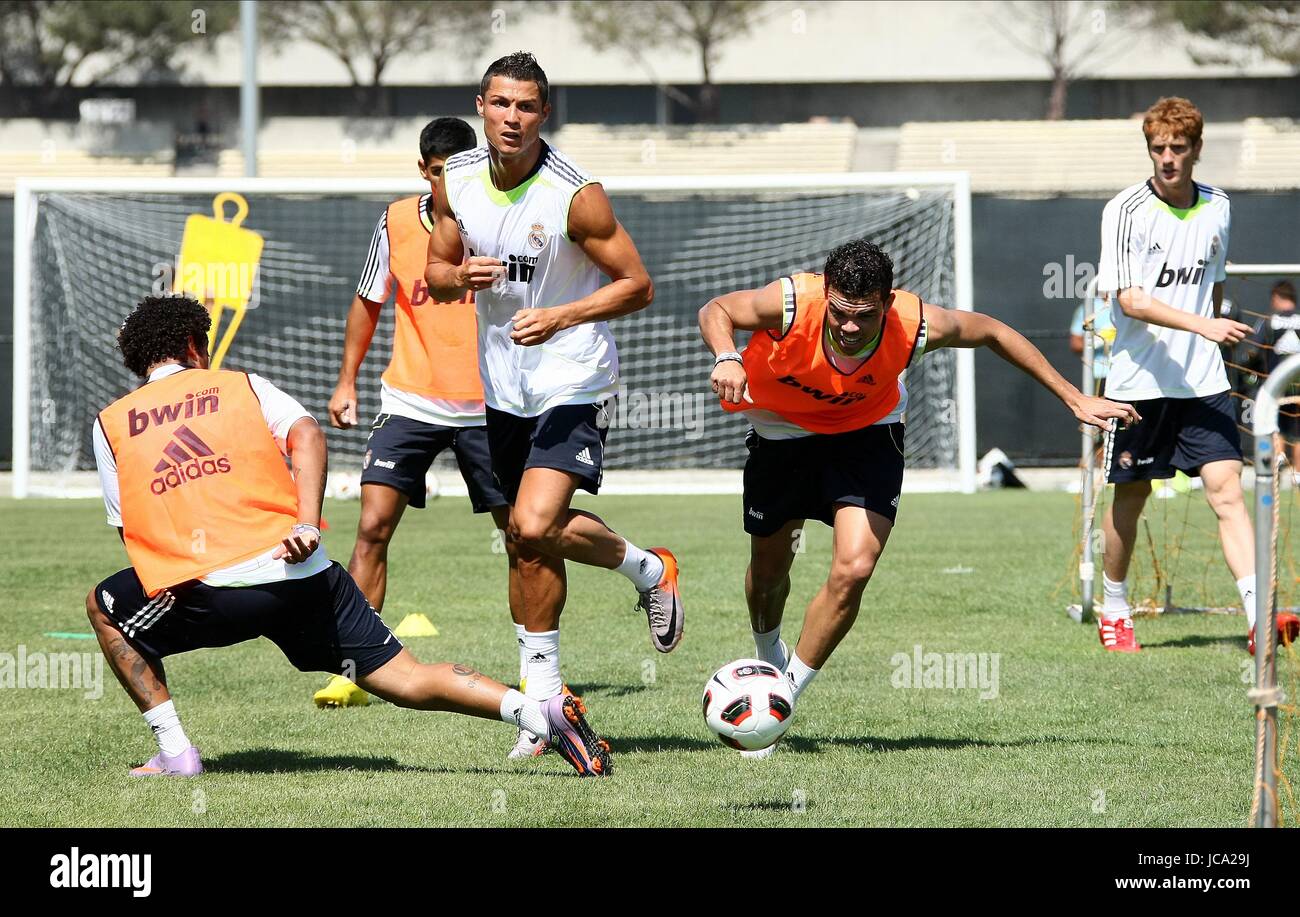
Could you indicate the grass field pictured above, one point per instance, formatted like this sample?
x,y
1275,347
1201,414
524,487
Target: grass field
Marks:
x,y
1074,736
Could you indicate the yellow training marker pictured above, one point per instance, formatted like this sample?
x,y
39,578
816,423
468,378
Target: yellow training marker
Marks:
x,y
416,625
218,266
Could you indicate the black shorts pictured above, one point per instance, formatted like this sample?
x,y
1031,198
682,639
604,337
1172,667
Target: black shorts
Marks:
x,y
1180,434
322,623
1288,422
805,478
568,437
400,451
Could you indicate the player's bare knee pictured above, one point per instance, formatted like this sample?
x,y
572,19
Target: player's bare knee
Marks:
x,y
850,574
374,533
1227,501
533,531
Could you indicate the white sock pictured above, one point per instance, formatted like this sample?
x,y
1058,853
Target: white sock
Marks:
x,y
166,725
643,568
1114,598
523,655
800,674
1246,586
543,664
768,647
523,712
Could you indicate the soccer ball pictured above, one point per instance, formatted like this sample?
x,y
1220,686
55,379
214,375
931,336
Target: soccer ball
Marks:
x,y
748,703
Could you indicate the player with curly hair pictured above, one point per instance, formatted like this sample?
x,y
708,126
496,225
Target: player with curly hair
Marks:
x,y
225,546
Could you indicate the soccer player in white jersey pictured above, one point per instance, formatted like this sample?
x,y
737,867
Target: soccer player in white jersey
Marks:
x,y
430,396
1164,250
531,235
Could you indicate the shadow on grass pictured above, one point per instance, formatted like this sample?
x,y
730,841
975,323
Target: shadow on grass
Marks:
x,y
767,805
813,744
1197,640
277,761
638,744
604,690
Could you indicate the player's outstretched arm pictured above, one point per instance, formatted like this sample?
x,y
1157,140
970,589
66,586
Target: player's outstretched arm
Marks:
x,y
955,328
1136,303
306,446
604,240
720,319
363,318
448,272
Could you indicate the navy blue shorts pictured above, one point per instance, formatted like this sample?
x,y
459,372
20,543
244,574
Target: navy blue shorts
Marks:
x,y
1175,434
322,623
1288,422
400,451
804,478
568,437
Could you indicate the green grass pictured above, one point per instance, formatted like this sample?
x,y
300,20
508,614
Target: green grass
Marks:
x,y
1165,735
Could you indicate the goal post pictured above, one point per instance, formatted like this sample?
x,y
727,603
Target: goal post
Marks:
x,y
84,250
1266,696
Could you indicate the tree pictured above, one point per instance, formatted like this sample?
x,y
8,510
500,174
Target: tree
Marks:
x,y
1067,35
368,35
1236,30
47,44
701,26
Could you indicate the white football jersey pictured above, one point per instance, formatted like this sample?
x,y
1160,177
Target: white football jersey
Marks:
x,y
1176,256
527,228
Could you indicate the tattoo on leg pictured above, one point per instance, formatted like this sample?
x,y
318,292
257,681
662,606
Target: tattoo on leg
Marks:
x,y
466,672
132,668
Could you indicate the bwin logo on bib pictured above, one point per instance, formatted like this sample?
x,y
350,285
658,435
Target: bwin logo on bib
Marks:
x,y
1169,276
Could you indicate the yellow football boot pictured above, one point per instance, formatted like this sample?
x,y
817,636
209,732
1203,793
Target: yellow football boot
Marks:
x,y
340,692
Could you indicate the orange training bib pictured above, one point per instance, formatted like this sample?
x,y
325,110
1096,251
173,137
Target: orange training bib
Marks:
x,y
791,375
435,345
203,483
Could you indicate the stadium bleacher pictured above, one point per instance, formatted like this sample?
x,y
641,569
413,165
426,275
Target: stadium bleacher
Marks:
x,y
1003,157
1072,157
31,148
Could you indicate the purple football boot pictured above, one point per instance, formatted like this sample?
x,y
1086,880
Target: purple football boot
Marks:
x,y
186,764
574,739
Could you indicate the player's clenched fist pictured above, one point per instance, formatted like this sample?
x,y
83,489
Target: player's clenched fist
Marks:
x,y
530,327
343,406
729,380
479,272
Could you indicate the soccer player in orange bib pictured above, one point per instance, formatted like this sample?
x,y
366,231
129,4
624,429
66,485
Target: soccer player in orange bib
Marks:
x,y
430,397
225,546
821,384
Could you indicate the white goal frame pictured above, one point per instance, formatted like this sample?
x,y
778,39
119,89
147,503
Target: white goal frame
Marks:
x,y
25,206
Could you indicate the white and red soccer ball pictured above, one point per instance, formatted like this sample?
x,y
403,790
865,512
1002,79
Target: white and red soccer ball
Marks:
x,y
748,704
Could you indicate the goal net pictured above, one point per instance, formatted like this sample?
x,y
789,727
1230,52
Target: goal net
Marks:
x,y
86,252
